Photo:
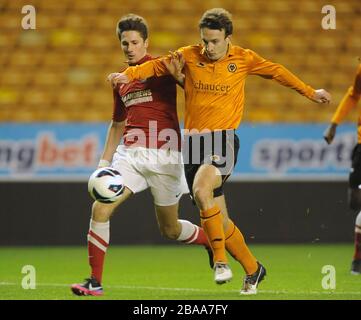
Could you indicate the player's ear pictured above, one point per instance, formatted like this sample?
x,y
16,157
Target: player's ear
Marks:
x,y
146,43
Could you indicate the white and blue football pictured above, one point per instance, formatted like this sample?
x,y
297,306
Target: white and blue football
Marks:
x,y
106,185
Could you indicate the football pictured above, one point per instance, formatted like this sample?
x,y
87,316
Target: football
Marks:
x,y
106,185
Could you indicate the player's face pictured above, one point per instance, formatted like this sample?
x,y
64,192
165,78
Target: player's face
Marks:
x,y
215,42
133,46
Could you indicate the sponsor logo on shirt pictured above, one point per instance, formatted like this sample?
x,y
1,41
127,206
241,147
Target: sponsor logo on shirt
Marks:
x,y
137,97
215,88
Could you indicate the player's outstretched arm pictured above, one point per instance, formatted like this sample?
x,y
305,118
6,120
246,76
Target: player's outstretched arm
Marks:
x,y
330,133
279,73
152,68
348,102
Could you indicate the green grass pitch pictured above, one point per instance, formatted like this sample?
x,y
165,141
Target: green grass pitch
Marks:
x,y
179,272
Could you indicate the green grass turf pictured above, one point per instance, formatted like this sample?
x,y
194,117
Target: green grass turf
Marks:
x,y
178,272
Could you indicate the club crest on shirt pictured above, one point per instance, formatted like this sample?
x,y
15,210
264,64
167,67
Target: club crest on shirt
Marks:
x,y
232,67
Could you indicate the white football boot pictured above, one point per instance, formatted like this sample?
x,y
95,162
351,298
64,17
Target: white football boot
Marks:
x,y
222,273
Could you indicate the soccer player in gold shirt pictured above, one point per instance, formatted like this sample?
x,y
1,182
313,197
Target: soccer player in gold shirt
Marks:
x,y
348,103
213,75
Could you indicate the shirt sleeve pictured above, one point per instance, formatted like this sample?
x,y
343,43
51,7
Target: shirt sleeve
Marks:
x,y
350,99
152,68
275,71
148,69
119,110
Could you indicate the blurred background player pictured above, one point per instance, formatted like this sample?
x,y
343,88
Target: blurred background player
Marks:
x,y
348,103
215,75
142,164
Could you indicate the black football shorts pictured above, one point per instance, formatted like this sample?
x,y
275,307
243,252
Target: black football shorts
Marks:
x,y
218,148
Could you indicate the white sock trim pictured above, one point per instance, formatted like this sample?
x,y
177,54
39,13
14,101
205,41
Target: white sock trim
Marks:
x,y
188,229
194,237
97,224
102,229
96,243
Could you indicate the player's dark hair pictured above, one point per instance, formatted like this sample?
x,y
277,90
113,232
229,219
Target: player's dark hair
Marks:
x,y
132,22
217,19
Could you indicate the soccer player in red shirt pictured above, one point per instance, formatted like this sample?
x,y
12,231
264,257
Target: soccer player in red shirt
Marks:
x,y
145,116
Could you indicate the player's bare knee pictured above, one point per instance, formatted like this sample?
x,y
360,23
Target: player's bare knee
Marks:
x,y
101,212
202,195
169,232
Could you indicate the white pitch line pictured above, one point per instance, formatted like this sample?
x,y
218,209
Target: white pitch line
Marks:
x,y
278,292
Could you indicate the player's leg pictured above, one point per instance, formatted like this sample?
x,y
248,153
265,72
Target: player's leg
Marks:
x,y
99,233
217,161
99,229
177,229
167,218
98,242
206,180
237,247
235,243
206,165
167,183
355,204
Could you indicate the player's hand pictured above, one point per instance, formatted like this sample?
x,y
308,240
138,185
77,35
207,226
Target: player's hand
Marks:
x,y
175,66
330,133
321,96
117,78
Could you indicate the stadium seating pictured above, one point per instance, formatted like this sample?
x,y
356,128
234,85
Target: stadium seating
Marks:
x,y
57,72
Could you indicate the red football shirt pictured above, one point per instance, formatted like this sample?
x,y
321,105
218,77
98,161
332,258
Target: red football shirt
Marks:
x,y
149,108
